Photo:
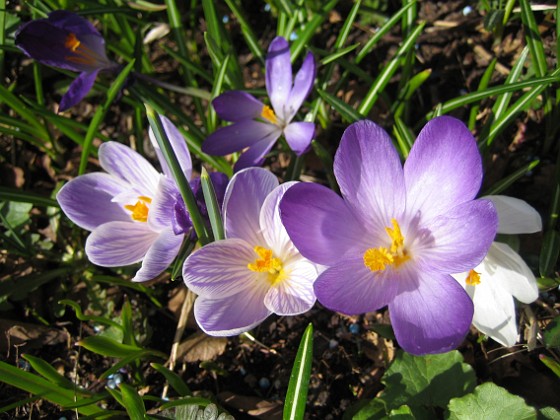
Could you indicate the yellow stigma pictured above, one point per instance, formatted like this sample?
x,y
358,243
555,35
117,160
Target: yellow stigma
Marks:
x,y
140,209
267,263
377,259
473,278
268,114
72,42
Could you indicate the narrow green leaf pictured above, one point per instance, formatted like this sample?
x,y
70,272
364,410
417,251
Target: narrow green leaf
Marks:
x,y
132,402
214,211
405,94
174,380
405,137
50,373
533,38
12,194
248,34
503,184
482,85
186,249
127,325
549,252
87,318
337,54
216,89
552,364
108,347
503,100
345,110
296,396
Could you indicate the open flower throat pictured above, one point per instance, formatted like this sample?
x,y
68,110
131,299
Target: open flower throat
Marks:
x,y
81,54
140,209
267,263
268,114
377,259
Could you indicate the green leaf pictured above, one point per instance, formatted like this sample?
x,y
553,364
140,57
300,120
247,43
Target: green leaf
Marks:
x,y
174,380
16,214
490,402
345,110
49,373
366,410
111,348
551,333
552,364
430,380
549,413
503,184
550,252
212,205
12,194
296,396
132,402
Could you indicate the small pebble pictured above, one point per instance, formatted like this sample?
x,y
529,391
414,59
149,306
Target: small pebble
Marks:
x,y
264,383
333,344
354,328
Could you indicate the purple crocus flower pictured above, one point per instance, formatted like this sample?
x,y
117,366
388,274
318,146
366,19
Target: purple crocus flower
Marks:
x,y
396,234
67,41
256,270
133,212
258,126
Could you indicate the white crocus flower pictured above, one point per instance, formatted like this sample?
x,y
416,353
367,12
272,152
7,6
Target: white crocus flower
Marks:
x,y
503,274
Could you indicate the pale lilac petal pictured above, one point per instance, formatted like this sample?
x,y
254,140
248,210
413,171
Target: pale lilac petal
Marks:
x,y
160,215
255,155
245,195
434,317
295,294
87,200
278,75
299,136
239,135
124,163
369,172
179,146
351,288
515,215
162,253
235,105
320,223
458,240
233,315
77,90
444,168
219,270
303,83
115,244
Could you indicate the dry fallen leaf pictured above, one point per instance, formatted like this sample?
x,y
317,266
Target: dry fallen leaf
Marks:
x,y
200,347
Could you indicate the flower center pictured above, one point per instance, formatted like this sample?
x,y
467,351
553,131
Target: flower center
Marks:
x,y
81,53
268,114
267,263
377,259
473,278
140,209
72,42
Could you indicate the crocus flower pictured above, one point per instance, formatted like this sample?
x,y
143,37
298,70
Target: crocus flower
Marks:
x,y
133,212
258,126
67,41
256,270
503,274
396,234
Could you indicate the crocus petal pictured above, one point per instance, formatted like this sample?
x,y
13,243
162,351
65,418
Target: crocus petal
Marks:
x,y
77,90
160,215
239,135
515,215
87,200
320,223
299,135
303,83
507,269
123,162
279,75
293,295
219,269
72,22
368,170
245,195
255,155
352,288
115,244
444,168
231,316
179,146
458,240
432,318
162,252
235,105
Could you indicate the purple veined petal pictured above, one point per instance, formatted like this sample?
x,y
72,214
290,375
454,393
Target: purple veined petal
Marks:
x,y
245,195
271,225
87,200
303,83
179,146
369,172
160,214
72,22
444,168
320,224
162,253
115,244
351,288
232,315
294,295
299,136
77,90
219,270
255,155
459,240
515,215
432,318
279,75
123,162
235,105
239,135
